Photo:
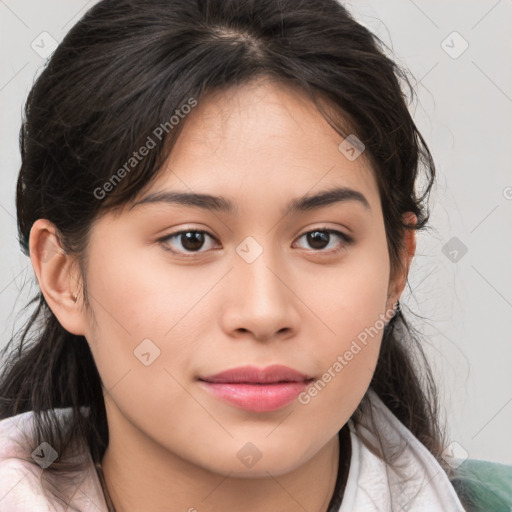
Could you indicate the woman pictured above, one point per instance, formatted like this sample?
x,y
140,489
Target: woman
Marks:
x,y
219,202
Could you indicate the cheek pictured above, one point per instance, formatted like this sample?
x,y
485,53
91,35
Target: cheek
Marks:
x,y
352,296
350,301
138,293
146,312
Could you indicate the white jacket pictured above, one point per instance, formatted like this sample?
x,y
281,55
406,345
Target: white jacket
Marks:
x,y
415,482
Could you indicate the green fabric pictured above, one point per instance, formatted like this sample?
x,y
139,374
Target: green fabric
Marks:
x,y
483,486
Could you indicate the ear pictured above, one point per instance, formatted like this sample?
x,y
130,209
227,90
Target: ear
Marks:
x,y
58,276
398,281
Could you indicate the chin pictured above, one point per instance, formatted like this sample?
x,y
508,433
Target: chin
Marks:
x,y
248,461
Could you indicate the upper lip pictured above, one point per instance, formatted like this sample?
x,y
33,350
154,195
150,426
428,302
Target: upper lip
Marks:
x,y
252,374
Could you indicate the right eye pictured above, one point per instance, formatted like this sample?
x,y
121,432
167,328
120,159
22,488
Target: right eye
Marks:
x,y
190,240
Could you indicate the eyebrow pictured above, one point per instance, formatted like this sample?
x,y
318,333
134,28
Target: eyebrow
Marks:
x,y
222,204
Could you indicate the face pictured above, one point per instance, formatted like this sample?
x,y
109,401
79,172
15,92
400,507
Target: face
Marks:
x,y
252,285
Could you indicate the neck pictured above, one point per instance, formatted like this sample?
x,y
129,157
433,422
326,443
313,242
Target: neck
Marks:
x,y
136,479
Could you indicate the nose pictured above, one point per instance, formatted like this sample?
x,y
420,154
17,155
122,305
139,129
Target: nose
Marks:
x,y
261,301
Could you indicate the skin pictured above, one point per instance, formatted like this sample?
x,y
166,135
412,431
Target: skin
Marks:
x,y
173,446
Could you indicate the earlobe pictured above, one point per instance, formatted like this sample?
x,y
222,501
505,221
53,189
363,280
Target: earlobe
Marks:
x,y
57,276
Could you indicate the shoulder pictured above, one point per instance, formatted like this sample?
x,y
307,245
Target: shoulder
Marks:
x,y
18,438
19,473
483,485
27,471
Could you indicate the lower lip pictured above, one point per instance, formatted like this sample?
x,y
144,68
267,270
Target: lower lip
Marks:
x,y
257,397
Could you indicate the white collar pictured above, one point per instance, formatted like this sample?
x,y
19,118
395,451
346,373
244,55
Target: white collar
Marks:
x,y
20,475
414,481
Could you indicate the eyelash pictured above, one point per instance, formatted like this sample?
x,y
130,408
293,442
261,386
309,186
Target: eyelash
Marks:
x,y
346,239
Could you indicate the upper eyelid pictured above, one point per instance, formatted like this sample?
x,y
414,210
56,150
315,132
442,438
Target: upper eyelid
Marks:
x,y
174,234
344,236
202,230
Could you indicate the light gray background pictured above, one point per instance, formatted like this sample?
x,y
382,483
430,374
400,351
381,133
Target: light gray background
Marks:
x,y
463,302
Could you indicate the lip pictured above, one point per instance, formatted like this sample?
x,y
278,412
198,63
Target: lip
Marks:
x,y
255,389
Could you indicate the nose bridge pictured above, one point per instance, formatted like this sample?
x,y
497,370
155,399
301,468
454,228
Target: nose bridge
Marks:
x,y
263,304
257,266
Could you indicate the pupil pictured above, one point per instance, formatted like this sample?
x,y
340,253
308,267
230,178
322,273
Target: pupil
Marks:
x,y
318,237
193,240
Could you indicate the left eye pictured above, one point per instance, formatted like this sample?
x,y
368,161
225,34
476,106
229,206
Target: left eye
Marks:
x,y
317,238
193,240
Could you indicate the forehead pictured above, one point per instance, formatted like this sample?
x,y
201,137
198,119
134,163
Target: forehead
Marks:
x,y
265,141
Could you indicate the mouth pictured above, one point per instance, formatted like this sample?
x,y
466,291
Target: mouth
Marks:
x,y
257,390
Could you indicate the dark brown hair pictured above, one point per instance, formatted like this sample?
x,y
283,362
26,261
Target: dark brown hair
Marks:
x,y
123,70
